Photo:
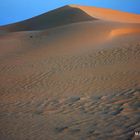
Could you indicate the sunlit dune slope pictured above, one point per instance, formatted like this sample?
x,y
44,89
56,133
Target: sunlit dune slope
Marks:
x,y
109,14
124,31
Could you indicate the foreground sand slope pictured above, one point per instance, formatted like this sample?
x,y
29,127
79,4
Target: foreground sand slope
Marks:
x,y
79,81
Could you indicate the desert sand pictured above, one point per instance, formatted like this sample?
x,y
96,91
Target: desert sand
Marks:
x,y
71,74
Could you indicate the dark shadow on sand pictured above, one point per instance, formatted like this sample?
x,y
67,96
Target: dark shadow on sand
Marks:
x,y
59,17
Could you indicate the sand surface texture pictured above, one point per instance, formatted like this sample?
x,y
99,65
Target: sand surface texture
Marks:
x,y
71,74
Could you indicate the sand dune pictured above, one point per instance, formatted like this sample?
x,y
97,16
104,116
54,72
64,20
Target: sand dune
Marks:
x,y
109,14
71,14
76,79
59,17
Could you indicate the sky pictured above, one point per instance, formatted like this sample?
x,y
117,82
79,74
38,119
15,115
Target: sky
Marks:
x,y
12,11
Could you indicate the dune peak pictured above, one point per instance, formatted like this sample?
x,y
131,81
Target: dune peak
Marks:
x,y
58,17
70,14
109,14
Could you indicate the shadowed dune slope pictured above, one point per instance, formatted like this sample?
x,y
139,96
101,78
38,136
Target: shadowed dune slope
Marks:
x,y
59,17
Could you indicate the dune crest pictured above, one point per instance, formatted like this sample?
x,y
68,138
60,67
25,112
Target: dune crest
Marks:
x,y
109,14
68,15
55,18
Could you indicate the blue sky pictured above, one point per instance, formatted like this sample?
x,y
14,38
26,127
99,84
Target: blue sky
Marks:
x,y
16,10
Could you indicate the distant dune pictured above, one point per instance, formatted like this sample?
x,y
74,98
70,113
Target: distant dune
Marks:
x,y
71,74
59,17
71,14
